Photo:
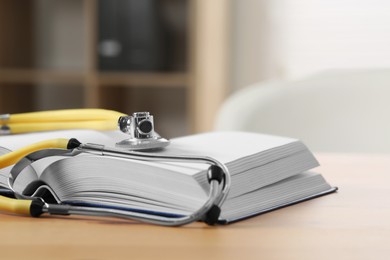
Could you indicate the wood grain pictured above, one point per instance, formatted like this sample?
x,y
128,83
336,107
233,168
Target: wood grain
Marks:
x,y
350,224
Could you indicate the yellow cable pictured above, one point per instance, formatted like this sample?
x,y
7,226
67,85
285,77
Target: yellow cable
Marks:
x,y
91,114
12,157
102,125
15,206
23,206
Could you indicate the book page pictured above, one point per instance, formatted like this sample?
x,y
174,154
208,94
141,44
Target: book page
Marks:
x,y
13,142
225,146
78,178
4,172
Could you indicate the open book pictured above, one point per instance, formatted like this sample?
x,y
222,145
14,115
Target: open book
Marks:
x,y
267,172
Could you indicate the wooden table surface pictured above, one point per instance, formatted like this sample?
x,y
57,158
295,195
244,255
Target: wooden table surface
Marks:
x,y
351,224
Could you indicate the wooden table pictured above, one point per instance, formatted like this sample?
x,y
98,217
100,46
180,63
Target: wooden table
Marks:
x,y
351,224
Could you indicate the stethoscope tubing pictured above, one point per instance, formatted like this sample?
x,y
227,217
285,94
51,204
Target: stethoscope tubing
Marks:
x,y
64,115
98,119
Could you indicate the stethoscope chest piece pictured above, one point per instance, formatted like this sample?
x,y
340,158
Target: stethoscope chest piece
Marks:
x,y
136,144
140,127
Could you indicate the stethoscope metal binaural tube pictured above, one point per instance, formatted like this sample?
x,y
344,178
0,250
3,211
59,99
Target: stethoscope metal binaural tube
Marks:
x,y
219,186
104,151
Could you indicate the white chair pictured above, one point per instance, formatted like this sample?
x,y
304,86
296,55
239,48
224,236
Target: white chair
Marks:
x,y
336,111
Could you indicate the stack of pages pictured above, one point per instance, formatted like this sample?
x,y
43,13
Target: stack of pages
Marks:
x,y
267,172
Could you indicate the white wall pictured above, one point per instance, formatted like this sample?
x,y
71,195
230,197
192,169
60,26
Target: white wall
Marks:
x,y
290,39
252,42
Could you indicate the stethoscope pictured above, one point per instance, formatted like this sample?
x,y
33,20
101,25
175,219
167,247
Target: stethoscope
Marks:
x,y
140,126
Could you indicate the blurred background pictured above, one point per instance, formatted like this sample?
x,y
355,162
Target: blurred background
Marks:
x,y
182,59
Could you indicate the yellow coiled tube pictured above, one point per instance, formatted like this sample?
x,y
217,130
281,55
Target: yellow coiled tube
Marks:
x,y
19,128
15,206
97,119
29,207
86,114
12,157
